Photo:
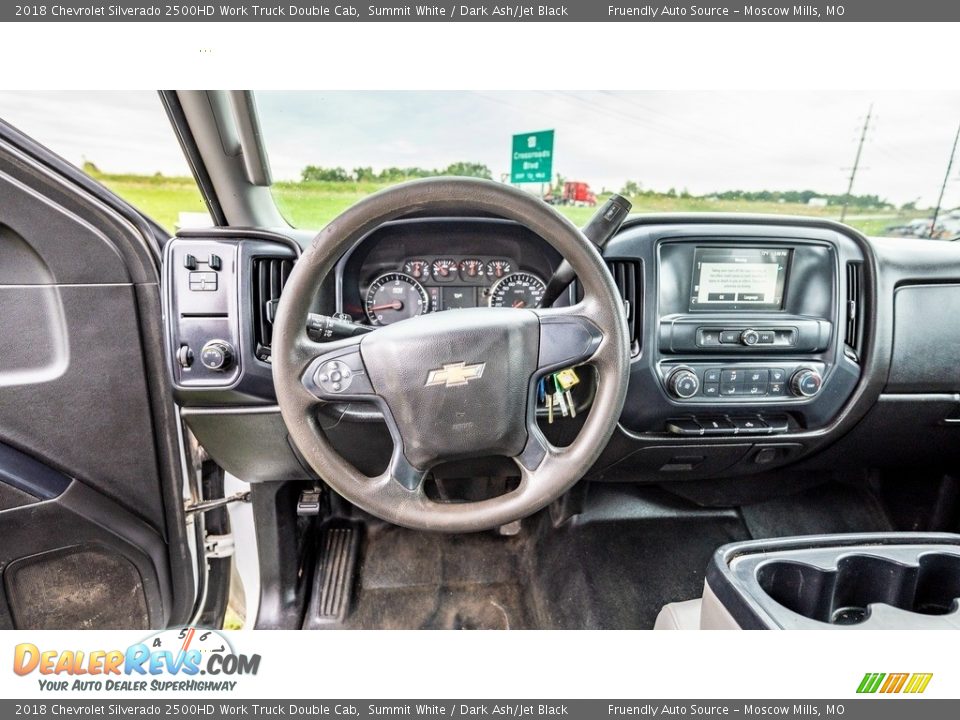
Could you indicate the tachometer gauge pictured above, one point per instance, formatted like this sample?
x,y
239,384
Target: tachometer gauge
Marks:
x,y
471,270
393,297
498,268
444,270
519,290
417,269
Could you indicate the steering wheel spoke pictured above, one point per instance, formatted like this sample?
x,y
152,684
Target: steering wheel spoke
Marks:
x,y
402,472
568,337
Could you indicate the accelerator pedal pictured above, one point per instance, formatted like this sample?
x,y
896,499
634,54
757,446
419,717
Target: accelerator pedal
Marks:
x,y
336,568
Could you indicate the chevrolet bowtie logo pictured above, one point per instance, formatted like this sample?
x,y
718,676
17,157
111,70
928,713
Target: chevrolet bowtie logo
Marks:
x,y
455,374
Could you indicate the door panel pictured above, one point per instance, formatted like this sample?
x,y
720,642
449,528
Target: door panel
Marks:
x,y
83,398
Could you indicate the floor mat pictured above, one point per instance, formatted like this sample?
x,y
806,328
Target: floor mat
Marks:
x,y
828,508
414,580
631,551
616,568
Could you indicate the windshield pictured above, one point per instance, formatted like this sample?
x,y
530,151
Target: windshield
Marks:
x,y
875,160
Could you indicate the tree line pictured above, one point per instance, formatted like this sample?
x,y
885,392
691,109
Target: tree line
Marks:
x,y
317,173
631,188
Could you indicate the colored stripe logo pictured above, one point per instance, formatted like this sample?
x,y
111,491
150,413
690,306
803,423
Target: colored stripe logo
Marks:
x,y
887,683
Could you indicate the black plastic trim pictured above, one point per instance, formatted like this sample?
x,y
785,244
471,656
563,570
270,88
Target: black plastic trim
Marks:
x,y
29,475
174,110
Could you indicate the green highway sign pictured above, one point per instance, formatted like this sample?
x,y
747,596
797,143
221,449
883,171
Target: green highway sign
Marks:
x,y
532,158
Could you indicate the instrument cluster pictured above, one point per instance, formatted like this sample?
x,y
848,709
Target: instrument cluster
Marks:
x,y
431,284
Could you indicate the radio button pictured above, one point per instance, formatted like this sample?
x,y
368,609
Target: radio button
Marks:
x,y
730,337
749,337
708,337
766,337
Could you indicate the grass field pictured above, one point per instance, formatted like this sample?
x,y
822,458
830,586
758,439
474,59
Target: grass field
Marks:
x,y
313,205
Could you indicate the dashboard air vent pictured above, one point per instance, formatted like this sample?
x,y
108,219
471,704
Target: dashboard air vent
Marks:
x,y
628,278
269,277
854,306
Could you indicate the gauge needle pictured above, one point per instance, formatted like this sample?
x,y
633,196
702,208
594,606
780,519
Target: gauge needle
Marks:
x,y
519,303
395,305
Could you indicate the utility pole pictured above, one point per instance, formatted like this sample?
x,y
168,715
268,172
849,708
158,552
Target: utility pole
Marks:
x,y
946,179
856,164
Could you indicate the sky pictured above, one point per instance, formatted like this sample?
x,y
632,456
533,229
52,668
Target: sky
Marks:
x,y
703,142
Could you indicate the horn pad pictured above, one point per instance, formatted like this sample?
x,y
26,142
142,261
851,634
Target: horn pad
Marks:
x,y
456,382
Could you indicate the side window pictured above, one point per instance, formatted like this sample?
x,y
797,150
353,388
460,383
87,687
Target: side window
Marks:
x,y
121,139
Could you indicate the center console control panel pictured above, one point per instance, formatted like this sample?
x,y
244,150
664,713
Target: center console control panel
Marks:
x,y
748,334
777,381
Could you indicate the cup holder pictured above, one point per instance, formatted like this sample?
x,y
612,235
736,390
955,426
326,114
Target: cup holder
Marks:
x,y
842,596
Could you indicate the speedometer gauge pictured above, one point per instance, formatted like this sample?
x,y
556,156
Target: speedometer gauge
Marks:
x,y
393,297
519,290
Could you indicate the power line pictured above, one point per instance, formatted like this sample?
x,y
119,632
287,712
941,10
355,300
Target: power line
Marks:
x,y
856,163
946,179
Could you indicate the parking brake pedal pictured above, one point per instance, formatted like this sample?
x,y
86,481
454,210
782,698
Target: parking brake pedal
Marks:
x,y
336,568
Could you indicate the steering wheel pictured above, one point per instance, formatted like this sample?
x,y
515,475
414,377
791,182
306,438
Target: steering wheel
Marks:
x,y
452,385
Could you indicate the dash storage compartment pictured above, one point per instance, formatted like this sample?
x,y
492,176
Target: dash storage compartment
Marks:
x,y
894,580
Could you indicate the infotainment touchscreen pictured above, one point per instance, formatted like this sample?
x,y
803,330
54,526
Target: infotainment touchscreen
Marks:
x,y
741,278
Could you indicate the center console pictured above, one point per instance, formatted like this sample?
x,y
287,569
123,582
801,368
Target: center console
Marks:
x,y
754,330
746,325
869,581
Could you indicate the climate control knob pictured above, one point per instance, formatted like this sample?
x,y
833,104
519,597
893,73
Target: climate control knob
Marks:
x,y
806,382
217,355
683,384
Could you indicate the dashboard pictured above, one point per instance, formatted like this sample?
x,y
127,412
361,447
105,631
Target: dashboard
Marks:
x,y
409,268
756,342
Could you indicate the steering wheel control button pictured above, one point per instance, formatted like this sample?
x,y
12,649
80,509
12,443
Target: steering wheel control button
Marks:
x,y
684,426
217,355
334,376
683,384
806,383
749,337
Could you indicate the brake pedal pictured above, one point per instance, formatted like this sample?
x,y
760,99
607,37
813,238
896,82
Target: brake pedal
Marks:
x,y
336,568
